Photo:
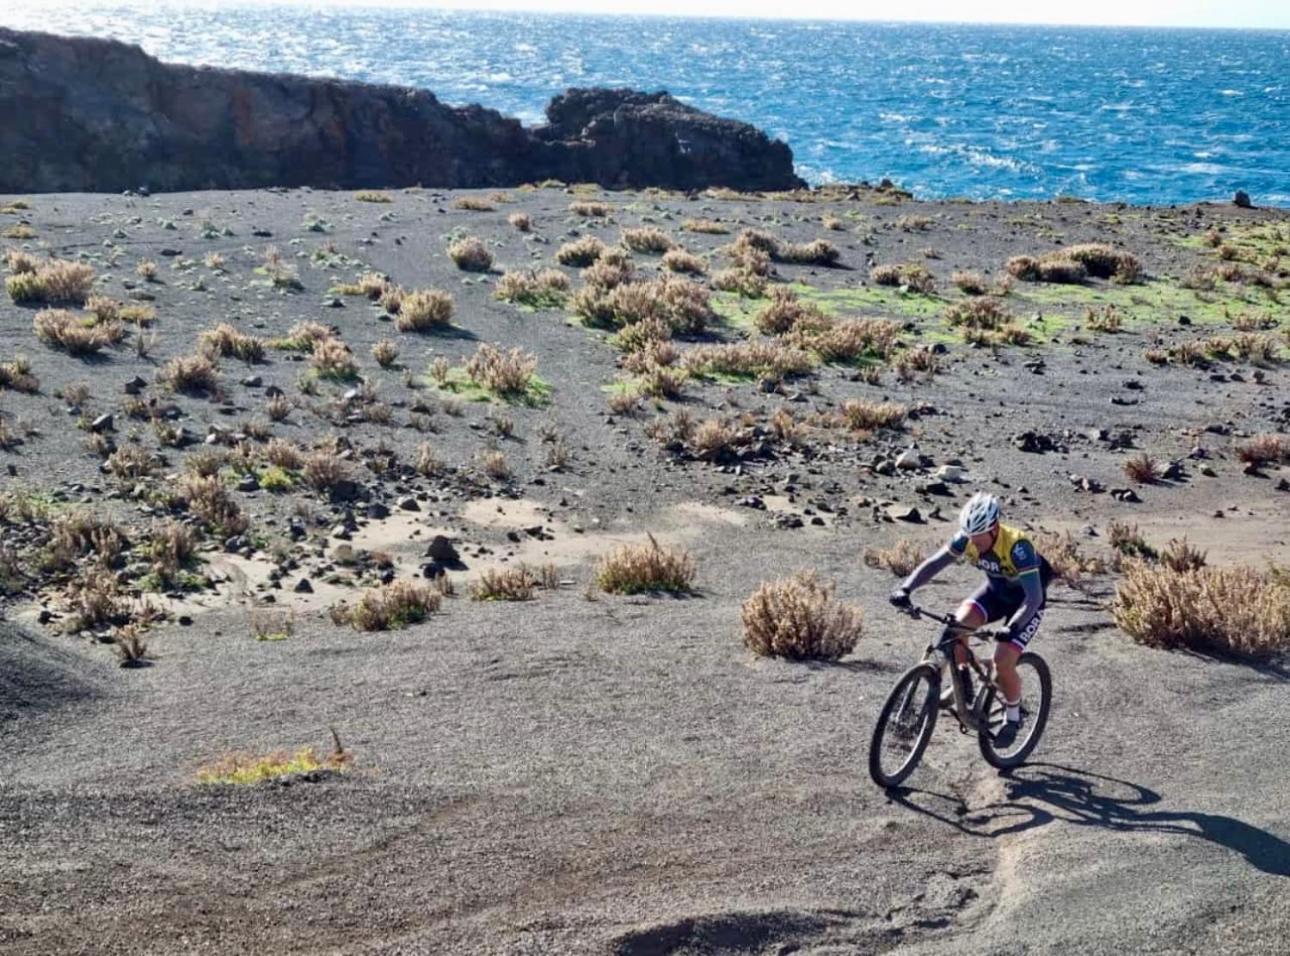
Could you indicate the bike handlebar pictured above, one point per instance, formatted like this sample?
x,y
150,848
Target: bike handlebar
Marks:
x,y
916,612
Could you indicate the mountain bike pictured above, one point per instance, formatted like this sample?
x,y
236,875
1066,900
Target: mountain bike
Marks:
x,y
908,716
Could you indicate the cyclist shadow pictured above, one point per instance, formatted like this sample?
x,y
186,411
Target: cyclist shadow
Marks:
x,y
1037,794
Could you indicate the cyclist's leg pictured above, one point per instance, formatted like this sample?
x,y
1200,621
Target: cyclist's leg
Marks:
x,y
976,611
1007,652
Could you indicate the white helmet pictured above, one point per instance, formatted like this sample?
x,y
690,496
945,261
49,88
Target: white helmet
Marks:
x,y
980,514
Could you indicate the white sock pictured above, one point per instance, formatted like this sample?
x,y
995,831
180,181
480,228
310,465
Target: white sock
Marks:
x,y
1014,710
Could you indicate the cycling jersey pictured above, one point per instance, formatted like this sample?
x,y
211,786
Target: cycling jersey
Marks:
x,y
1011,557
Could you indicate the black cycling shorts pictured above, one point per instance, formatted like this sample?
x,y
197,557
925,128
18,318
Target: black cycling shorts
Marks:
x,y
998,604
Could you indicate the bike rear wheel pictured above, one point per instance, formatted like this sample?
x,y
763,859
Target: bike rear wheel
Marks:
x,y
905,726
1036,699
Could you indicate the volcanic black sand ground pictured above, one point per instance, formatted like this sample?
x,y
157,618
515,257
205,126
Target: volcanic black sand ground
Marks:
x,y
589,773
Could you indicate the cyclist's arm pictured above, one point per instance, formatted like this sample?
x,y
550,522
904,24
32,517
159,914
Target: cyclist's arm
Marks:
x,y
934,565
1026,561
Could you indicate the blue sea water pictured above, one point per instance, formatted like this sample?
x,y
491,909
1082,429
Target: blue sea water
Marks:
x,y
1139,115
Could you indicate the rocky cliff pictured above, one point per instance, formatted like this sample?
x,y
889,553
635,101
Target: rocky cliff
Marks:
x,y
89,115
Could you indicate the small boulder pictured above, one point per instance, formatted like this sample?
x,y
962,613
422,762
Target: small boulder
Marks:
x,y
441,549
1242,200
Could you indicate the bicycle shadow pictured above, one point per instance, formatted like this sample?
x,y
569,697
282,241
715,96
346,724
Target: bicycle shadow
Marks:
x,y
1037,794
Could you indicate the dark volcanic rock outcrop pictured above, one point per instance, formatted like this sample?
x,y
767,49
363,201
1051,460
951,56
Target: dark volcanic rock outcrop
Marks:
x,y
92,115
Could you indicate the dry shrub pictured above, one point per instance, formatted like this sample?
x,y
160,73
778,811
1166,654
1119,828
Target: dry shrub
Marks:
x,y
283,453
1069,563
784,311
647,239
471,255
509,374
391,300
910,276
540,290
642,568
772,360
590,209
1127,542
799,618
847,340
386,352
190,374
428,463
678,260
865,416
146,270
606,273
742,282
495,466
473,204
74,334
1262,450
94,599
649,354
713,439
370,284
1255,347
1025,268
914,362
580,252
225,340
1142,469
323,471
303,336
76,534
373,195
1239,610
130,461
705,226
52,280
983,313
393,606
505,584
425,310
900,559
818,252
209,500
19,262
16,375
1103,262
172,547
684,305
1180,556
1058,267
522,221
971,283
332,359
661,382
1105,319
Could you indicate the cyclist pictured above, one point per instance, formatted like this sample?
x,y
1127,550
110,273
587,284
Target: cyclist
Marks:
x,y
1015,588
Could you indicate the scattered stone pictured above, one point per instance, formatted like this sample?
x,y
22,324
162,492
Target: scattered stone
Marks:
x,y
377,511
1208,471
952,473
104,423
1125,494
135,386
441,549
248,483
905,513
1242,200
252,381
304,586
752,501
408,503
909,459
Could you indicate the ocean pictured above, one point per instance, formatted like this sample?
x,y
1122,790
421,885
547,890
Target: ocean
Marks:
x,y
1109,114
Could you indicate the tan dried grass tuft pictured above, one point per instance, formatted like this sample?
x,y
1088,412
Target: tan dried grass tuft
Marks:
x,y
1234,610
471,255
900,559
425,310
799,618
865,416
226,341
209,500
580,252
647,239
190,374
1142,469
644,568
508,374
393,606
75,334
51,281
1263,450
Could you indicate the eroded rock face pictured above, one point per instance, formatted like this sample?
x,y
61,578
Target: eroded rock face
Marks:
x,y
90,115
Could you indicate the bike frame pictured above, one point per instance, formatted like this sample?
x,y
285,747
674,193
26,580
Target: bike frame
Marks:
x,y
940,654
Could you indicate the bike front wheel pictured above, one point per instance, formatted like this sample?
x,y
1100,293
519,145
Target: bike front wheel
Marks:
x,y
905,726
1036,699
